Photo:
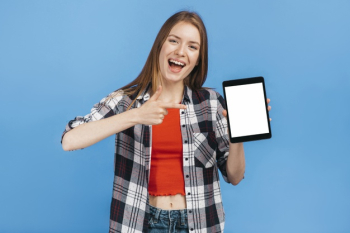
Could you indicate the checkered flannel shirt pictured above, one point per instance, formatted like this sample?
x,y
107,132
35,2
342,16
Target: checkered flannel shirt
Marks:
x,y
205,149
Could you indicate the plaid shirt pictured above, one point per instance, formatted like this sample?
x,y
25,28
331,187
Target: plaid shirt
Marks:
x,y
205,149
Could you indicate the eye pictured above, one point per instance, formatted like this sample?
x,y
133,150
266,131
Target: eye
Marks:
x,y
172,41
193,47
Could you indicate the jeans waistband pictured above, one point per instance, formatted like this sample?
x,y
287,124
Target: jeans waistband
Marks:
x,y
168,214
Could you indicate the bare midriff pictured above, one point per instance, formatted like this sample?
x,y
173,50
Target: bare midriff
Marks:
x,y
175,202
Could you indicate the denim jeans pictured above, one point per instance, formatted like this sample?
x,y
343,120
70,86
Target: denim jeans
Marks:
x,y
167,221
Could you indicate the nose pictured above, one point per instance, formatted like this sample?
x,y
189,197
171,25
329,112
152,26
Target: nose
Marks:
x,y
180,50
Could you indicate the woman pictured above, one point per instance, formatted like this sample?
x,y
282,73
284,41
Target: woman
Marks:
x,y
171,138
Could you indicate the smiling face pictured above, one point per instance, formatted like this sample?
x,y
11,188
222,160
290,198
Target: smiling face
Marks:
x,y
179,53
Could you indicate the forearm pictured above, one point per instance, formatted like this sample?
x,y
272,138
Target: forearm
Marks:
x,y
235,165
92,132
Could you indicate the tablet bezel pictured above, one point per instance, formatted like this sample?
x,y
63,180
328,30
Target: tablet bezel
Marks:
x,y
244,81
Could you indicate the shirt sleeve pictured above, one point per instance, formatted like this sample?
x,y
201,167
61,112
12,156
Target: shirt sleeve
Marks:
x,y
222,139
107,107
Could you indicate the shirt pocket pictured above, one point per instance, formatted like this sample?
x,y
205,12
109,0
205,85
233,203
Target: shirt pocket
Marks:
x,y
204,149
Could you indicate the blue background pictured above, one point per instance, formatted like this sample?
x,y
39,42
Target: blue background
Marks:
x,y
58,58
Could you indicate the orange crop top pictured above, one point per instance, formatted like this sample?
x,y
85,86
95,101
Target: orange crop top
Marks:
x,y
167,176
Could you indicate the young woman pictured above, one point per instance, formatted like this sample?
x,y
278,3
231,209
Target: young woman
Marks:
x,y
171,138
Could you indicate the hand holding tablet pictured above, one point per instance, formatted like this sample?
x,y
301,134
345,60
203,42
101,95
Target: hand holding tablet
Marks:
x,y
247,109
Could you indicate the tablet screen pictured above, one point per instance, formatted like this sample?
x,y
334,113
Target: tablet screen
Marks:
x,y
246,109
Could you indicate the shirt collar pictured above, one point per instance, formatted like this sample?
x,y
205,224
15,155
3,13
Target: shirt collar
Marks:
x,y
187,93
145,95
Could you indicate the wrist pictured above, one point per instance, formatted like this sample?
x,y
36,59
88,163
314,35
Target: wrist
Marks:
x,y
236,148
134,116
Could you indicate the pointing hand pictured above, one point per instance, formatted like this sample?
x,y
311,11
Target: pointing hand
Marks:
x,y
154,110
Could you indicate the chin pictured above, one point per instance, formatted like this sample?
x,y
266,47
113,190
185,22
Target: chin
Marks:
x,y
173,80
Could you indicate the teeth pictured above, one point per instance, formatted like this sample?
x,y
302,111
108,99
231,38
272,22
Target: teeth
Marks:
x,y
177,63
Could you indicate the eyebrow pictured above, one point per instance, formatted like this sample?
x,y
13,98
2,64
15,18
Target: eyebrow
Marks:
x,y
195,42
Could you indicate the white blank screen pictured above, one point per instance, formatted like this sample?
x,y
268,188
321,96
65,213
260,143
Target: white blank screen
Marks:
x,y
246,109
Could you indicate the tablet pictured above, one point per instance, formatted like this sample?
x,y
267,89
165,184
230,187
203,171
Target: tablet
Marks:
x,y
247,114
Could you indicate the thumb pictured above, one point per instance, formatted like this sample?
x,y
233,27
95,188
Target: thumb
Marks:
x,y
224,112
157,93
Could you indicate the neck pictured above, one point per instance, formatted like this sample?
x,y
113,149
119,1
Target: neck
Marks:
x,y
172,92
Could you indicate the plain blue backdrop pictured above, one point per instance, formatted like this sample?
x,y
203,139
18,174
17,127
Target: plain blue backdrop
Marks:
x,y
58,58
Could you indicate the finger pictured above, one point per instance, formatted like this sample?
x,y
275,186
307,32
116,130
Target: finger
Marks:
x,y
159,121
270,119
173,105
269,108
157,93
268,101
163,111
224,112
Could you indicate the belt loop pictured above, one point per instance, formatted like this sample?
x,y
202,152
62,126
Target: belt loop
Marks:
x,y
182,214
156,216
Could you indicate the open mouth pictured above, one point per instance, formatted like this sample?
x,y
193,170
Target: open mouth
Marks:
x,y
176,66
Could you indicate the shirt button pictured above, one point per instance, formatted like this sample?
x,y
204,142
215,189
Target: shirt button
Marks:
x,y
185,141
183,125
191,229
190,211
182,112
188,193
186,159
187,176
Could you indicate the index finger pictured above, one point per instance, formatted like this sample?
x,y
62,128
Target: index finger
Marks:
x,y
173,105
156,95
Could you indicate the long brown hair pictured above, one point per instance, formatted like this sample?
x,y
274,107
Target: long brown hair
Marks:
x,y
151,71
